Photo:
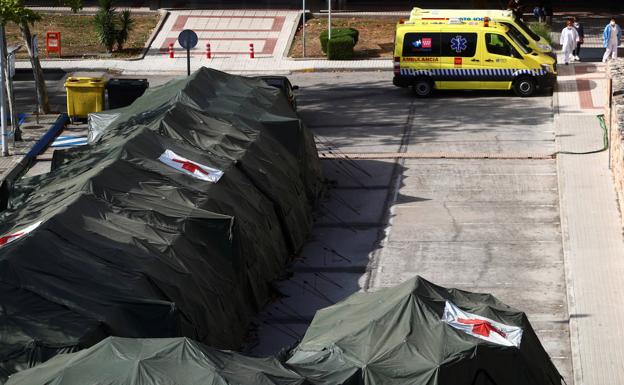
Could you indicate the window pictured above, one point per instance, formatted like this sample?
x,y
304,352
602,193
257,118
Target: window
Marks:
x,y
527,30
458,44
516,34
518,38
499,45
421,44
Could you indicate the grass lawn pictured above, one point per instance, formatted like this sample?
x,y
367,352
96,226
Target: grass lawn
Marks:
x,y
376,36
78,38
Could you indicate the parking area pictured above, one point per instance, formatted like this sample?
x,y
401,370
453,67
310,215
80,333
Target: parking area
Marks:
x,y
489,225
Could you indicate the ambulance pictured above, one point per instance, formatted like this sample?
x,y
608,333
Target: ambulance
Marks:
x,y
506,18
460,54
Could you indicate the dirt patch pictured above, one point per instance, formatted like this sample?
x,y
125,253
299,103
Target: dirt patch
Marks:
x,y
78,37
376,36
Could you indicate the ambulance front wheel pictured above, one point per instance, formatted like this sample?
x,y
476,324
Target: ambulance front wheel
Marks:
x,y
422,87
524,86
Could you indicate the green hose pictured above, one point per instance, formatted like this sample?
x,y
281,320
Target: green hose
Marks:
x,y
605,140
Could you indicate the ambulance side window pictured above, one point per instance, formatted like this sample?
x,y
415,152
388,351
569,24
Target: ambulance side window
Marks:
x,y
421,44
499,45
458,44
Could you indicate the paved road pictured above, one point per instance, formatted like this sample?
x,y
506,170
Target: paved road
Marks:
x,y
484,225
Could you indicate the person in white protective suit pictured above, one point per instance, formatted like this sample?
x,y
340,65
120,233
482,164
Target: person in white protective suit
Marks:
x,y
569,37
611,40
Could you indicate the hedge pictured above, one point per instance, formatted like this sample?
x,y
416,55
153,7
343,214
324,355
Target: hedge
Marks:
x,y
340,48
336,32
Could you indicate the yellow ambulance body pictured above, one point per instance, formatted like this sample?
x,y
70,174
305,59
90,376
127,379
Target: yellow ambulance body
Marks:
x,y
467,55
506,18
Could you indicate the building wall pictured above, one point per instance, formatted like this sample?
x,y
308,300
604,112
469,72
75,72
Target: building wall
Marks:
x,y
616,73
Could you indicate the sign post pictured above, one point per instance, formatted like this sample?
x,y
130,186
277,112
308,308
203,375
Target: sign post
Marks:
x,y
329,4
35,46
188,39
303,14
3,131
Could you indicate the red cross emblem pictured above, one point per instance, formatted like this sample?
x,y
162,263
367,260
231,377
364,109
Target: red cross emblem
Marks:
x,y
8,238
481,327
190,166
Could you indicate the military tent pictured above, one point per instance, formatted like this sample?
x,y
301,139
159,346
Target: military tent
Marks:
x,y
126,361
418,333
173,223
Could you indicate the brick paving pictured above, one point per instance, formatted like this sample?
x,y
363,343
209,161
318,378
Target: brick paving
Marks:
x,y
592,232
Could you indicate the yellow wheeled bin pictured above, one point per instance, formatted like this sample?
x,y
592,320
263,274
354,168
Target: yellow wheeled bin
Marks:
x,y
84,95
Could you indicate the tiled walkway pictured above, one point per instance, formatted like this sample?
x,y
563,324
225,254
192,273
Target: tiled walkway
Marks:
x,y
230,32
592,233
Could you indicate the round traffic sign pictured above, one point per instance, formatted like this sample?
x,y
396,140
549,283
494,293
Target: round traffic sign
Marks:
x,y
187,39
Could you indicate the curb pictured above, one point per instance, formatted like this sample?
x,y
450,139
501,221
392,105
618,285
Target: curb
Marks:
x,y
342,69
164,15
291,38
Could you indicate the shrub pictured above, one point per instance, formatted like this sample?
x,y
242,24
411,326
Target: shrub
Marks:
x,y
336,32
112,27
105,25
543,30
126,24
340,48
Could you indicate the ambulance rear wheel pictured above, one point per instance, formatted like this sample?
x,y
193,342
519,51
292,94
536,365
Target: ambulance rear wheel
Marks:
x,y
524,86
422,87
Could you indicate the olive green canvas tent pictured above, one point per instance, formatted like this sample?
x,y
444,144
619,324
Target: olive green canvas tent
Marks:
x,y
418,333
124,361
173,223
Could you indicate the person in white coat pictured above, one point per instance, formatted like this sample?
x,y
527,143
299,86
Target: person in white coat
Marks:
x,y
568,40
612,36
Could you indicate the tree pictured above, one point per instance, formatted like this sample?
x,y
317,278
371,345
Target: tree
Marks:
x,y
105,25
126,24
74,5
14,11
112,28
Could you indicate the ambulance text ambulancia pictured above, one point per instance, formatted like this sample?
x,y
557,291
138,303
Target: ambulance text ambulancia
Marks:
x,y
460,54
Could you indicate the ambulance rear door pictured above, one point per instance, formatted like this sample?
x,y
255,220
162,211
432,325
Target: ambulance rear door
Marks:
x,y
420,54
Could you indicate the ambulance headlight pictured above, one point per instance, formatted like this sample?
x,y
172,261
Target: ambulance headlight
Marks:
x,y
548,68
544,47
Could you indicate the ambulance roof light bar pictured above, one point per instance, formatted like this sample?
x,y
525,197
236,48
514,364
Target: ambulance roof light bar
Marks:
x,y
486,21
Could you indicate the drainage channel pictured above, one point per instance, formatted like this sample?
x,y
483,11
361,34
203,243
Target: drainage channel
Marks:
x,y
434,155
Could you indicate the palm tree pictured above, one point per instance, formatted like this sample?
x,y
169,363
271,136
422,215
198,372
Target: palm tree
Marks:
x,y
105,25
126,24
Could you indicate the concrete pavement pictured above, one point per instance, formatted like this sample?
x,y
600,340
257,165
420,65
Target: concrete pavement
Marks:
x,y
479,224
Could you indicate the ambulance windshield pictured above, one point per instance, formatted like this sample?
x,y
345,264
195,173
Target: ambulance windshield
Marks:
x,y
526,29
520,40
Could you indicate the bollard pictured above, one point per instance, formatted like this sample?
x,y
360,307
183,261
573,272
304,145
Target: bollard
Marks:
x,y
251,51
171,50
208,52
